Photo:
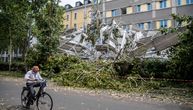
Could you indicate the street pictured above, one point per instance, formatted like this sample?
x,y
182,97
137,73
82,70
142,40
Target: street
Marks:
x,y
65,99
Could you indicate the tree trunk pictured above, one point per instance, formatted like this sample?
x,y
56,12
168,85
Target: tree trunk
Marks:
x,y
10,50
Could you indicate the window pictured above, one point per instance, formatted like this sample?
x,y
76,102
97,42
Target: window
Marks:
x,y
129,10
163,4
189,1
77,3
149,7
138,8
67,26
149,25
163,23
75,15
140,25
67,17
67,6
75,26
178,2
86,2
123,10
95,1
125,27
115,12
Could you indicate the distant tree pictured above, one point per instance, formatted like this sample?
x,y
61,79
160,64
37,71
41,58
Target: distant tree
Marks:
x,y
22,19
181,54
49,25
13,28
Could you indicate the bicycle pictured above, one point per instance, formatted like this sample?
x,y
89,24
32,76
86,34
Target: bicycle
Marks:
x,y
43,99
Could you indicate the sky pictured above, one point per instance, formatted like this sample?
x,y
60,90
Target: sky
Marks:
x,y
71,2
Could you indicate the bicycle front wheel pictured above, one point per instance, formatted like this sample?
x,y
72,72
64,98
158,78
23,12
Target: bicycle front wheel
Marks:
x,y
45,102
24,97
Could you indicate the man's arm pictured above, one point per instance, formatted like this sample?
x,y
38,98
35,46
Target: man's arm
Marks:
x,y
39,76
28,77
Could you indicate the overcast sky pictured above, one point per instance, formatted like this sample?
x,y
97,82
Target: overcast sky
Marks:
x,y
71,2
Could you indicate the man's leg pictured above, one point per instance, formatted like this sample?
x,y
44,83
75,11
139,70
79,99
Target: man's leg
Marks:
x,y
31,89
32,93
42,85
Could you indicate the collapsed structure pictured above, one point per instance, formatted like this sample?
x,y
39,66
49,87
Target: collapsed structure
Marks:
x,y
133,42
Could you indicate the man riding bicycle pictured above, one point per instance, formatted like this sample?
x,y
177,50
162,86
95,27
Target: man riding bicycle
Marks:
x,y
33,79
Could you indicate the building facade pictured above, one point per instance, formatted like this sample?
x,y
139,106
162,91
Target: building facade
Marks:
x,y
145,14
79,16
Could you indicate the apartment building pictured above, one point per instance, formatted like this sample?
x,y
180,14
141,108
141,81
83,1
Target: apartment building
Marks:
x,y
79,16
145,14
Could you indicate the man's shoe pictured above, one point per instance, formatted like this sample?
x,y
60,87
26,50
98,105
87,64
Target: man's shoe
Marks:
x,y
31,102
34,98
27,106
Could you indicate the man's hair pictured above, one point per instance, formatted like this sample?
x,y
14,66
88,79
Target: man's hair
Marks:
x,y
35,67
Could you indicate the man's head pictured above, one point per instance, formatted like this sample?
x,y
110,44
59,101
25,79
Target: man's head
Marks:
x,y
35,69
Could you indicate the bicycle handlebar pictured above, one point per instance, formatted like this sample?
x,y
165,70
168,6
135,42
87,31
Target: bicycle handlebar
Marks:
x,y
43,80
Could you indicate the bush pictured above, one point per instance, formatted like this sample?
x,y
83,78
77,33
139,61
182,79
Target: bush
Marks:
x,y
4,66
15,66
154,68
59,63
144,67
123,68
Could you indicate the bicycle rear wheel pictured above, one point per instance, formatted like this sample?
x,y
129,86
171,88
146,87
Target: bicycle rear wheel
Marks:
x,y
24,97
45,102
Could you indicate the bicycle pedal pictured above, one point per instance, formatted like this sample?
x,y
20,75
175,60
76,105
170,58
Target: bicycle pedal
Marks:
x,y
27,107
34,98
31,102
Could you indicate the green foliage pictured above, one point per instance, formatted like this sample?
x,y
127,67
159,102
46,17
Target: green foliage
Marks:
x,y
144,67
181,60
16,74
33,57
20,20
154,68
13,20
16,66
123,68
48,22
58,63
93,30
79,73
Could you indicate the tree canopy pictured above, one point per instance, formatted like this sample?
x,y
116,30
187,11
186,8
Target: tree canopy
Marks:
x,y
181,55
22,19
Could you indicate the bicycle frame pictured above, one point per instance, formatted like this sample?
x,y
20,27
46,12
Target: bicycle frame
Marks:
x,y
27,100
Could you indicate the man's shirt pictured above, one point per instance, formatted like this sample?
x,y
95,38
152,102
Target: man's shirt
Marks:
x,y
31,75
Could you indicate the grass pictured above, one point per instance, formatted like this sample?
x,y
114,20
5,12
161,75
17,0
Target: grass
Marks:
x,y
12,74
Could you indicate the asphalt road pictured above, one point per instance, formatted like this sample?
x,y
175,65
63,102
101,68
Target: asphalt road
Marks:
x,y
10,91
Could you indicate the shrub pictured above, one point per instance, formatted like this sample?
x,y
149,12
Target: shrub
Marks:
x,y
15,66
123,68
59,63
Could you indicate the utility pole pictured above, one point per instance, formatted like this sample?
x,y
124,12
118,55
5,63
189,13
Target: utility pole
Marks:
x,y
85,18
97,14
104,13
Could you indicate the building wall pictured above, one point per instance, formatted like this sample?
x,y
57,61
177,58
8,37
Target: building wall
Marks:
x,y
81,17
158,13
186,9
131,15
68,21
